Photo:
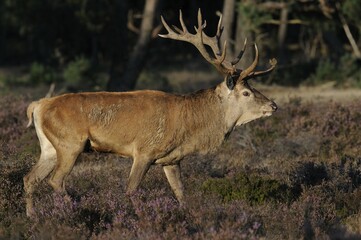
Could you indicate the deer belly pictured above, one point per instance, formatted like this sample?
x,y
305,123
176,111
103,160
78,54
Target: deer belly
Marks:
x,y
125,150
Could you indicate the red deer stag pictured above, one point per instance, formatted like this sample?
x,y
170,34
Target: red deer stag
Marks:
x,y
152,127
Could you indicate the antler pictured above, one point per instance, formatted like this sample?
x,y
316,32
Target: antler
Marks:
x,y
200,39
272,62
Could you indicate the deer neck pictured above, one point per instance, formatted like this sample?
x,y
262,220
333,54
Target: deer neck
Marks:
x,y
232,112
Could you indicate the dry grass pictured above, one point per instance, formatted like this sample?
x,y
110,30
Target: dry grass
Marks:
x,y
308,151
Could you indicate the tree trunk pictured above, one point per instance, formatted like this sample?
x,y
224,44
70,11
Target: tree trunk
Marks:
x,y
227,22
242,32
349,35
282,32
137,58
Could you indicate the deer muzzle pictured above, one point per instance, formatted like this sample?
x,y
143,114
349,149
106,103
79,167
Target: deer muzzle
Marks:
x,y
268,109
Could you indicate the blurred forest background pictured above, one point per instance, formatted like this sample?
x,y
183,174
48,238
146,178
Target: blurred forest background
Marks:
x,y
113,45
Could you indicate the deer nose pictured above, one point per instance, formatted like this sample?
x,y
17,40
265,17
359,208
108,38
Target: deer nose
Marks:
x,y
273,106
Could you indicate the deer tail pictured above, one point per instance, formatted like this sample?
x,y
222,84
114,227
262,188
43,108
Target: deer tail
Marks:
x,y
30,112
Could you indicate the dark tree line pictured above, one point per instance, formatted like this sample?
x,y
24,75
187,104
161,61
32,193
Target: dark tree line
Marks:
x,y
115,35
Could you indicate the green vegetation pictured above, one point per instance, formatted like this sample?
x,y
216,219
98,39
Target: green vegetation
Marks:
x,y
40,73
76,71
344,73
252,188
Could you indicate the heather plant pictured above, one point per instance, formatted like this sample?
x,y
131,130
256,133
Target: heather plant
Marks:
x,y
340,129
295,175
12,118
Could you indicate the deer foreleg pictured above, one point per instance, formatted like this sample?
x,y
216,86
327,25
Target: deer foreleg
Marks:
x,y
139,168
174,178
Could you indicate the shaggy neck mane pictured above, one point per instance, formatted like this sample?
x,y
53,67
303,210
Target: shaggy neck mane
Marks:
x,y
203,120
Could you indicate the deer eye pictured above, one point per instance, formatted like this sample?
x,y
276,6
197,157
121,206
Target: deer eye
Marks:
x,y
246,93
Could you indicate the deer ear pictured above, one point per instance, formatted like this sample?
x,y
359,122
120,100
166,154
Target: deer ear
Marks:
x,y
230,82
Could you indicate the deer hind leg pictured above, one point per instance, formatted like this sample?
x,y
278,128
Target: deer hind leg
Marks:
x,y
39,171
66,157
173,175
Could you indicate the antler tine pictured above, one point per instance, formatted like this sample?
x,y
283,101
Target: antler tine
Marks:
x,y
240,55
200,26
219,27
250,69
170,31
214,42
177,29
199,18
273,63
184,27
218,36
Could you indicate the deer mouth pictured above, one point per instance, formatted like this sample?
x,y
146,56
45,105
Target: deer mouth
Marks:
x,y
267,113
